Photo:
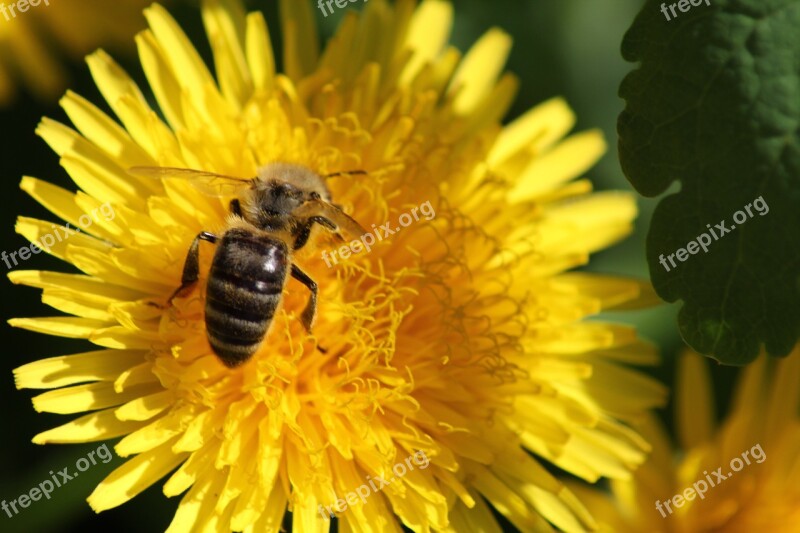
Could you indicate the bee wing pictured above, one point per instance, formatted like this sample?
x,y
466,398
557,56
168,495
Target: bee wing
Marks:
x,y
209,183
345,225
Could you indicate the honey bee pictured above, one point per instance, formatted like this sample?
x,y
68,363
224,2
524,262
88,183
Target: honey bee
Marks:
x,y
270,217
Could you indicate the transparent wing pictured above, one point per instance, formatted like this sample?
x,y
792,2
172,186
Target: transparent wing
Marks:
x,y
209,183
345,225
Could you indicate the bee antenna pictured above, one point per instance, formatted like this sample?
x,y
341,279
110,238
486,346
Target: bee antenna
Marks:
x,y
344,173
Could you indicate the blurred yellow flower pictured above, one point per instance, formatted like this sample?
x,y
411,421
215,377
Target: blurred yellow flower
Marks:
x,y
746,468
461,337
32,40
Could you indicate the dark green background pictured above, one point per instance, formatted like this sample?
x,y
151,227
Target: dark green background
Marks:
x,y
564,47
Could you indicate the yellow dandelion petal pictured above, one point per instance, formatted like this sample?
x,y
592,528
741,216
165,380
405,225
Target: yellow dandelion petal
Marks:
x,y
427,36
226,31
85,398
104,133
301,43
100,425
146,407
695,403
559,165
533,132
133,477
99,365
258,50
477,74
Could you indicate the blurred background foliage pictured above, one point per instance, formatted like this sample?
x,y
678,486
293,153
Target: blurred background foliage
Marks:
x,y
565,47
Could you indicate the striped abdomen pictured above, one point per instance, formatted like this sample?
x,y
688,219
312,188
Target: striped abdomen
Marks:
x,y
244,289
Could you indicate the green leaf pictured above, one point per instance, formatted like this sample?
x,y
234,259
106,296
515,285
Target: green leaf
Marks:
x,y
715,105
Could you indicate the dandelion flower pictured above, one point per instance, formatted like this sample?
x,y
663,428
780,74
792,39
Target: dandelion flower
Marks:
x,y
755,449
77,26
460,337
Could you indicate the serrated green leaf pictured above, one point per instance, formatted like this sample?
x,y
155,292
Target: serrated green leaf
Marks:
x,y
715,105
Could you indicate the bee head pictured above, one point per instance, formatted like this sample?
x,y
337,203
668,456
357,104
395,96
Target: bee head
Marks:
x,y
280,189
293,178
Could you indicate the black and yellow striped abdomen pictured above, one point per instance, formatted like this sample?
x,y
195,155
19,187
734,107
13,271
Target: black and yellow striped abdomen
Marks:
x,y
244,289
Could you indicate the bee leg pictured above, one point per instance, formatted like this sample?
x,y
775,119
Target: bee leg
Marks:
x,y
191,268
305,230
345,173
307,317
